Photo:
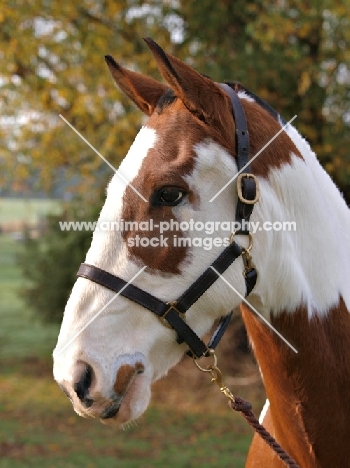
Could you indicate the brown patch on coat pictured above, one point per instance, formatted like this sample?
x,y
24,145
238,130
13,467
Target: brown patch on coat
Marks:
x,y
309,391
125,376
167,163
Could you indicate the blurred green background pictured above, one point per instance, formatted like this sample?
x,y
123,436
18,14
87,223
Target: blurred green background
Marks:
x,y
293,54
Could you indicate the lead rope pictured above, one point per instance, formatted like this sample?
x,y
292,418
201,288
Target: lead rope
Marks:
x,y
239,404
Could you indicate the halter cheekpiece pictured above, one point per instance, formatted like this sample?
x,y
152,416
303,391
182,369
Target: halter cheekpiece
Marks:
x,y
172,314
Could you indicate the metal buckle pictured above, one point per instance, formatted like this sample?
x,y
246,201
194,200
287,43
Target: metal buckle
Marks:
x,y
239,188
172,305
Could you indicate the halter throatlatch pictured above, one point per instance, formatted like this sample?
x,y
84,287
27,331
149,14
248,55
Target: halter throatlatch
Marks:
x,y
172,314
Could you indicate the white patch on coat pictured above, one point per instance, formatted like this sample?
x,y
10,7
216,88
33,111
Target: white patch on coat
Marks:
x,y
243,95
311,265
264,411
107,251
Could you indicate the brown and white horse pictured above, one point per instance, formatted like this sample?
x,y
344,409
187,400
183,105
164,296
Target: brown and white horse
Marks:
x,y
181,158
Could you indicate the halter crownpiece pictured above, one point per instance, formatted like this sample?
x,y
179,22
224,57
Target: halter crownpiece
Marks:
x,y
172,314
247,183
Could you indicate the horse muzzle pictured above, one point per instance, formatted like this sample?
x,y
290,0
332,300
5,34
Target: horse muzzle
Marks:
x,y
113,398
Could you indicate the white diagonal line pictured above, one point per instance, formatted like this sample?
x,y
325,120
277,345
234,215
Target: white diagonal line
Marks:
x,y
104,159
100,311
257,154
257,313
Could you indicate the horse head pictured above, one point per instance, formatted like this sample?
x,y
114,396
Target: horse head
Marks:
x,y
111,349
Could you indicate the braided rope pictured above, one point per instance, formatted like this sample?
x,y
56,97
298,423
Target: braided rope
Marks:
x,y
244,407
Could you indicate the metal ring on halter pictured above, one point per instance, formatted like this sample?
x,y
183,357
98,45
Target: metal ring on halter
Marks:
x,y
250,237
209,368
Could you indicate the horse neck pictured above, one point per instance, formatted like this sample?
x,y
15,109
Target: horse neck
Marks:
x,y
304,291
308,391
308,265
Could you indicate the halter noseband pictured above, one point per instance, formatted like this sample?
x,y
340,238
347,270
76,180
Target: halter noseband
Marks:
x,y
172,314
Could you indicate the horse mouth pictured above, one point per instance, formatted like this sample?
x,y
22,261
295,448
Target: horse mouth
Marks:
x,y
111,411
124,392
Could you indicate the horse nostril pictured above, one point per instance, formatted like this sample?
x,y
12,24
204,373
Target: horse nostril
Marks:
x,y
81,388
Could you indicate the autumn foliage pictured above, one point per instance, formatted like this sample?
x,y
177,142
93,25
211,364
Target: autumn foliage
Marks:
x,y
293,54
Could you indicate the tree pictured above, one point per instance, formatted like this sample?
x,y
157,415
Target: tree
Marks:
x,y
293,54
50,263
52,62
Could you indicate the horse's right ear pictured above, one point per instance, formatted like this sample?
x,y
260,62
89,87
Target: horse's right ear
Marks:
x,y
144,91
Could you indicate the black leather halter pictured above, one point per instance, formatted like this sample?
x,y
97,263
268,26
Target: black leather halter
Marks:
x,y
172,314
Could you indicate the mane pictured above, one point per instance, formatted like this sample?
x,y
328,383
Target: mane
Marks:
x,y
237,86
165,100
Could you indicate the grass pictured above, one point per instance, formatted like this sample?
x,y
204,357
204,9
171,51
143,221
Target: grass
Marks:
x,y
38,427
28,210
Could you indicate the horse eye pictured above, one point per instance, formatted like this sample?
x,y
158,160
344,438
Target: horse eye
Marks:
x,y
169,196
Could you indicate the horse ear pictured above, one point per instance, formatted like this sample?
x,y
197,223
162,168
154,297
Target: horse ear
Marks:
x,y
196,91
144,91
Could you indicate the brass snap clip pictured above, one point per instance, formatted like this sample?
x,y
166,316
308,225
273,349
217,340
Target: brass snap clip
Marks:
x,y
246,255
247,261
216,375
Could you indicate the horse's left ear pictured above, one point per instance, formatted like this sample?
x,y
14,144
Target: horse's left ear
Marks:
x,y
199,93
144,91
